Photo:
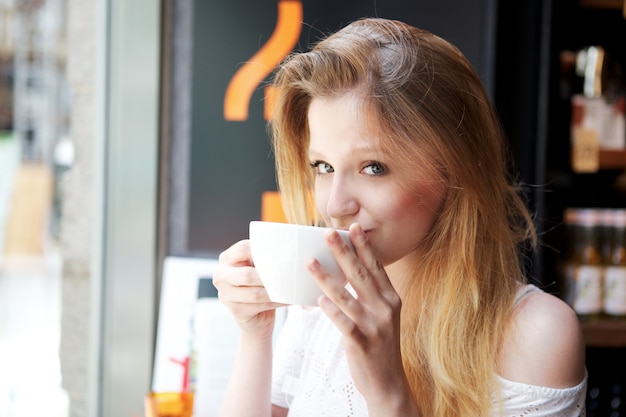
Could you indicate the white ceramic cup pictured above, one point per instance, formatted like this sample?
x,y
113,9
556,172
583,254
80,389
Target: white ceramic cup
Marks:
x,y
280,252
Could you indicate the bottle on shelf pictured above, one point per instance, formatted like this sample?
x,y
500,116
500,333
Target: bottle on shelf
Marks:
x,y
606,225
615,269
584,269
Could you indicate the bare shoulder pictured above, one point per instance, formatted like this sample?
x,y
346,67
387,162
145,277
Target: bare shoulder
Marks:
x,y
544,344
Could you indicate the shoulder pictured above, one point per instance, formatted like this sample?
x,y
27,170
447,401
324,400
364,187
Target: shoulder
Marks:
x,y
544,344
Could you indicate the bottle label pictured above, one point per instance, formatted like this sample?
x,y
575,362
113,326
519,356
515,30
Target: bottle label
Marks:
x,y
585,289
585,150
615,290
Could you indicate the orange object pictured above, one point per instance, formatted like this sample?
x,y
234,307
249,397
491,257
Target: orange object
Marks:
x,y
249,76
169,404
270,98
272,208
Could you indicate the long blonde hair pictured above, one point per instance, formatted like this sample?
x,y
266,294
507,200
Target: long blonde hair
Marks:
x,y
430,108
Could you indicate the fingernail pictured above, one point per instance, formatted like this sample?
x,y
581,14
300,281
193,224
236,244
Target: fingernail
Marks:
x,y
332,235
323,300
358,231
312,264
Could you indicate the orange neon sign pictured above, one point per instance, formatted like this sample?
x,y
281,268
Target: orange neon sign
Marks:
x,y
253,72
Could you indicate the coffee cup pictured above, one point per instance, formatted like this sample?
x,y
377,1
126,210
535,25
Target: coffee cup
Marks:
x,y
280,252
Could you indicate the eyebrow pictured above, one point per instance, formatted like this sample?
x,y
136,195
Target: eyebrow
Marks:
x,y
356,151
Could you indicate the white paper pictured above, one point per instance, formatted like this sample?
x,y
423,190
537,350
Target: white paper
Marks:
x,y
204,326
179,292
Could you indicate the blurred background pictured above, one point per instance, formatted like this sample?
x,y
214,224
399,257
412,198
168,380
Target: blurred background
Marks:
x,y
56,59
35,153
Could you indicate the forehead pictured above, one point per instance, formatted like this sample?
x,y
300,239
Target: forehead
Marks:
x,y
337,120
341,105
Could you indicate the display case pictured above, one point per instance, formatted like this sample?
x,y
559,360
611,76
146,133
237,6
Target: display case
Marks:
x,y
574,27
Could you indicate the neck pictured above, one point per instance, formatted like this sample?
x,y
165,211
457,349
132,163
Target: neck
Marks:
x,y
398,272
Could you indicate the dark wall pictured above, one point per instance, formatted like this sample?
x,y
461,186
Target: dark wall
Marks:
x,y
231,163
521,78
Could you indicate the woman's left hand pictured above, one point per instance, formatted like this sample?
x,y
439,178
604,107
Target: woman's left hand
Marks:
x,y
369,322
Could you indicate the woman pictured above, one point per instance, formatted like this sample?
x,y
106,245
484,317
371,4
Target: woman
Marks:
x,y
391,130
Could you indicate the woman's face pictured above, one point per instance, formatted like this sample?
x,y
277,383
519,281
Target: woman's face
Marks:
x,y
356,181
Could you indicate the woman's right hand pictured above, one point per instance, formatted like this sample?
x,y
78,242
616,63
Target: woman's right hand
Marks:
x,y
241,290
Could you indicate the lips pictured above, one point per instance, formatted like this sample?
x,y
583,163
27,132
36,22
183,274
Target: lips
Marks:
x,y
365,230
339,227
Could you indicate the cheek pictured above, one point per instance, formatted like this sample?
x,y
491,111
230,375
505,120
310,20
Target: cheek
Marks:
x,y
411,218
320,196
418,208
431,202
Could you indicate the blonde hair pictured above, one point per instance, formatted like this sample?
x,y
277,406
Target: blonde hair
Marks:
x,y
430,108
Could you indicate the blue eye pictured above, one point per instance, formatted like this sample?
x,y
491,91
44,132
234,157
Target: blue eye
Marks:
x,y
321,167
374,168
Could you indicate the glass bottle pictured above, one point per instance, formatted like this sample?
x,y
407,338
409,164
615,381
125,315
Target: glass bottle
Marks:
x,y
566,262
584,270
615,269
606,233
571,248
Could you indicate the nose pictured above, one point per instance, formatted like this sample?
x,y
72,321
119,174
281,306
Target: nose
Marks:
x,y
343,200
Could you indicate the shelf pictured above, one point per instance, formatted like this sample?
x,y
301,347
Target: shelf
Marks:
x,y
604,332
602,4
603,159
612,159
605,4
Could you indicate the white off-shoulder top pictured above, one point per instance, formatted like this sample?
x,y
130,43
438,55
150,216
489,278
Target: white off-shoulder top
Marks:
x,y
312,379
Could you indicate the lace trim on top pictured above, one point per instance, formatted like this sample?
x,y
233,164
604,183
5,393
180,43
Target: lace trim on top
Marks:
x,y
519,399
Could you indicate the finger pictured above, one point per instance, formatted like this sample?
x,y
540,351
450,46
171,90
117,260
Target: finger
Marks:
x,y
376,274
238,276
343,322
239,297
355,264
229,293
335,291
238,254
